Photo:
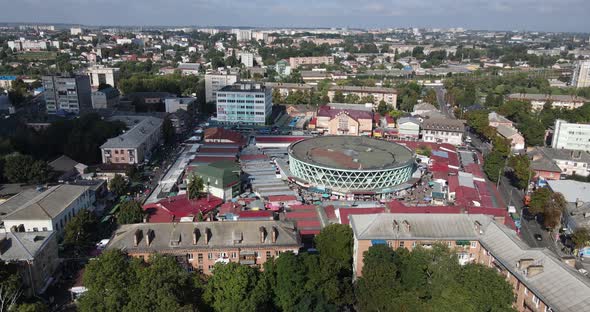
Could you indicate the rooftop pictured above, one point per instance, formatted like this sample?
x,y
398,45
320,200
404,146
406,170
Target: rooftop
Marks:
x,y
444,124
572,191
238,234
22,246
362,89
546,97
351,152
244,87
136,135
42,205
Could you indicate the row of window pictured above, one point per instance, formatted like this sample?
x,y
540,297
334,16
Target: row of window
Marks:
x,y
232,255
402,244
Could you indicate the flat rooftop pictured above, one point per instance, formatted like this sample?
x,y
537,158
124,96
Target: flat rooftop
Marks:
x,y
351,153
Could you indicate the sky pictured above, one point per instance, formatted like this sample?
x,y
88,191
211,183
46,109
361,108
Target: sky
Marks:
x,y
530,15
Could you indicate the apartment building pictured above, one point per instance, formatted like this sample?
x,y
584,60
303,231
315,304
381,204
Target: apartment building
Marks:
x,y
100,74
247,59
198,246
35,256
581,76
106,98
442,130
217,80
6,82
540,280
135,145
552,163
45,209
285,88
556,101
27,45
571,136
69,94
388,95
245,103
242,34
174,104
295,62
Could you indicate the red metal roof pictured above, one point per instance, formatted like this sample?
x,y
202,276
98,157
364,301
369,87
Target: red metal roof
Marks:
x,y
297,215
302,207
281,198
308,224
330,212
253,157
345,212
176,207
328,111
223,134
211,159
247,214
219,150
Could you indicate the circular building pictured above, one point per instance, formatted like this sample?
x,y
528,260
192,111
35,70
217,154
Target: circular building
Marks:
x,y
351,163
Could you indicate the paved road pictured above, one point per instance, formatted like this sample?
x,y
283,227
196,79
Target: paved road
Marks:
x,y
440,97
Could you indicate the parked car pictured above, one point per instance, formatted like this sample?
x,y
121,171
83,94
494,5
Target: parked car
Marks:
x,y
538,237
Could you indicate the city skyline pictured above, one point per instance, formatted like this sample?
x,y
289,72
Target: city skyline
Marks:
x,y
546,15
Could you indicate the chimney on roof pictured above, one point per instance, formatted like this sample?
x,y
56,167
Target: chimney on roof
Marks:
x,y
13,228
196,235
395,226
534,270
149,237
523,264
262,233
207,235
478,228
137,237
3,243
569,260
274,234
407,225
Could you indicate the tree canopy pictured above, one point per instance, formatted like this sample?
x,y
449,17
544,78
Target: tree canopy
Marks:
x,y
130,212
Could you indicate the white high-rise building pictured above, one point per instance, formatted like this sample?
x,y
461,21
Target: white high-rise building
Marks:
x,y
100,74
581,76
243,34
215,81
74,31
247,59
244,103
571,136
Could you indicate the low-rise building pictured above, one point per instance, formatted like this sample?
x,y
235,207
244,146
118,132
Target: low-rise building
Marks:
x,y
199,246
45,209
556,101
338,119
223,136
188,69
513,136
388,95
540,280
176,103
573,136
105,99
496,120
577,198
408,127
221,179
136,144
423,108
35,256
552,163
442,130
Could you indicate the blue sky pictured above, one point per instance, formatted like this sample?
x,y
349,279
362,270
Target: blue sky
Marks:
x,y
543,15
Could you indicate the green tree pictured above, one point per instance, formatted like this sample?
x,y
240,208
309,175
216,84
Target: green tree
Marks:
x,y
430,97
10,286
338,97
581,237
289,286
521,170
549,204
118,185
195,186
493,165
130,212
31,307
168,131
161,286
382,108
81,232
107,279
376,289
20,168
277,97
488,290
235,287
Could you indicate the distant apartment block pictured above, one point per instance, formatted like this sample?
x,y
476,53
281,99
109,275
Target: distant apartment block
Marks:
x,y
571,136
69,94
188,69
105,98
581,76
556,101
295,62
99,74
27,45
247,59
245,103
136,144
75,31
389,95
199,245
441,130
6,82
242,34
215,81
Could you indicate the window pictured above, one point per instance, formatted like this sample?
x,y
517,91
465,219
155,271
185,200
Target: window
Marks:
x,y
473,244
44,229
35,229
526,291
200,258
268,255
401,244
189,256
210,256
449,244
413,244
234,254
